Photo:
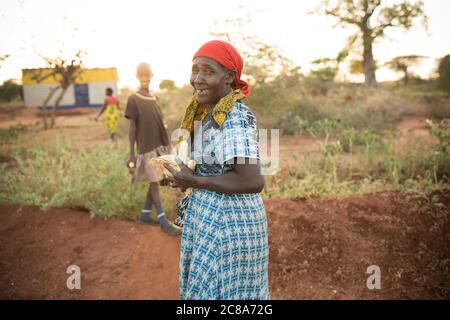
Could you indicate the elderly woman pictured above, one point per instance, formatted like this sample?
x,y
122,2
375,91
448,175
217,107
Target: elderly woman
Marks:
x,y
224,247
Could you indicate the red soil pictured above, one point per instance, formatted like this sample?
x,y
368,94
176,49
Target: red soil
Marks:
x,y
319,249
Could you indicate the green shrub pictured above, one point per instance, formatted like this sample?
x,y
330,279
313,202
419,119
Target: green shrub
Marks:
x,y
11,133
440,158
63,175
444,73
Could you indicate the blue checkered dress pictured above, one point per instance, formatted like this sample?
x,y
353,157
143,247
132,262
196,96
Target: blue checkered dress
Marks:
x,y
224,247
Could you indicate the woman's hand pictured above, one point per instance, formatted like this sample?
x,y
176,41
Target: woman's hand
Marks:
x,y
183,179
244,178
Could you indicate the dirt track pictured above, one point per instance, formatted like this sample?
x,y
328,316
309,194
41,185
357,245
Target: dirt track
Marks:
x,y
319,249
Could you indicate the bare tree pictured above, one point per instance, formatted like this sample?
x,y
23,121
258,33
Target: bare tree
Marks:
x,y
361,14
65,72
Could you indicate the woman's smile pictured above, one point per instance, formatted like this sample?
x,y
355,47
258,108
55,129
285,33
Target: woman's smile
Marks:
x,y
202,92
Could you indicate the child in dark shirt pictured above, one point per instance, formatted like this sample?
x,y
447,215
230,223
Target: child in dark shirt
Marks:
x,y
147,131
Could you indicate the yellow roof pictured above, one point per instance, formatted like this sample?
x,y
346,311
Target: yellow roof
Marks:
x,y
88,75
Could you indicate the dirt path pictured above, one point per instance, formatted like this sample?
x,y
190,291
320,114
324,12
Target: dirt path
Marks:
x,y
319,249
21,116
118,259
412,127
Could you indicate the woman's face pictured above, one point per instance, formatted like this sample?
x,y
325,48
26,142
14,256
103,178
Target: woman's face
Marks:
x,y
210,80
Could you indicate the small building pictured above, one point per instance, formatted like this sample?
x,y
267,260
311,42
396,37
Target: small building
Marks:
x,y
88,90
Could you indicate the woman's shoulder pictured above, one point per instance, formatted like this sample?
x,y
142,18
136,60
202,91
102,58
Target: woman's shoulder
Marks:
x,y
240,114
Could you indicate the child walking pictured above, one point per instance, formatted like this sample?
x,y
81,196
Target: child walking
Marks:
x,y
147,132
111,110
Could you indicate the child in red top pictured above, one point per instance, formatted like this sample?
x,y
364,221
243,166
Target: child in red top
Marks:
x,y
111,110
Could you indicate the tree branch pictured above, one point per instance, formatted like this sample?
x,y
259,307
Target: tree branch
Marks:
x,y
43,77
341,18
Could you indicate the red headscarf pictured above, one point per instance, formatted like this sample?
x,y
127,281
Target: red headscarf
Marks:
x,y
227,55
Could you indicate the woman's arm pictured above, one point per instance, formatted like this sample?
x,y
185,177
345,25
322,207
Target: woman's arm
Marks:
x,y
244,178
102,110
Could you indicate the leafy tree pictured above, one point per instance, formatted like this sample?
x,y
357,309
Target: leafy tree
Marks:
x,y
444,73
356,67
326,69
167,85
371,18
10,91
403,63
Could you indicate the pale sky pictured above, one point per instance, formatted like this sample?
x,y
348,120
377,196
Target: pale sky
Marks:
x,y
166,33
